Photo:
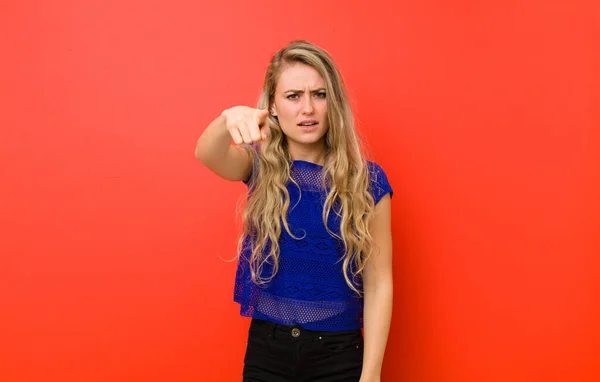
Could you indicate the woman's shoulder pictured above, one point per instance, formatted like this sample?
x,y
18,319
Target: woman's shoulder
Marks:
x,y
375,170
379,183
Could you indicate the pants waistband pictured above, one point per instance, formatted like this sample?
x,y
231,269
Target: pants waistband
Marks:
x,y
297,331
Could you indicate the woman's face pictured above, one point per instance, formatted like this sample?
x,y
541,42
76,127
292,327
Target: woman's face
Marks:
x,y
300,104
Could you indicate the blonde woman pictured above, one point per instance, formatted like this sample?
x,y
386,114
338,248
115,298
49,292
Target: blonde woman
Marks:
x,y
315,258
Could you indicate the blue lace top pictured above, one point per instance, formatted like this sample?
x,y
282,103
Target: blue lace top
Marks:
x,y
309,289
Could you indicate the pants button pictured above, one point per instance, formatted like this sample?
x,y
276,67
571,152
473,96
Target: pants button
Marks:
x,y
295,332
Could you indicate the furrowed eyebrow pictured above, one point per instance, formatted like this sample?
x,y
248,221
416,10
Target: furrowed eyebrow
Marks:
x,y
302,91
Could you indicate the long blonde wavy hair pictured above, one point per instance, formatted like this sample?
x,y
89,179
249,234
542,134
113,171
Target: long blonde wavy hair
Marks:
x,y
346,174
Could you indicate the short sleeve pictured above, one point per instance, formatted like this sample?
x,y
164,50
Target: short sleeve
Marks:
x,y
380,186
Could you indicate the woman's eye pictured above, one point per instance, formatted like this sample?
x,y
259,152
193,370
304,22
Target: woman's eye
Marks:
x,y
292,96
322,95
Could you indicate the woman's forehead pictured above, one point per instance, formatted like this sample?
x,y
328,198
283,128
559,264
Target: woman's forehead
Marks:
x,y
299,77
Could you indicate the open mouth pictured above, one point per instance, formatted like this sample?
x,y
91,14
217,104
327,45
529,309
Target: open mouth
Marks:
x,y
308,124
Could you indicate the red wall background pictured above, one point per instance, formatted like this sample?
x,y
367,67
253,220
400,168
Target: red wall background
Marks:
x,y
485,116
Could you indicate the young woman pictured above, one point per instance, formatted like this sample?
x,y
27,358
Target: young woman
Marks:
x,y
315,259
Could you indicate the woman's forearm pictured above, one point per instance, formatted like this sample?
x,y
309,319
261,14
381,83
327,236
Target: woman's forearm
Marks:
x,y
377,318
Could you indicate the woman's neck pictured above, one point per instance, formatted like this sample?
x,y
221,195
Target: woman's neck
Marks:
x,y
313,153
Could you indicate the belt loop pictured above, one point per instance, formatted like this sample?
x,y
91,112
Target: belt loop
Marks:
x,y
272,331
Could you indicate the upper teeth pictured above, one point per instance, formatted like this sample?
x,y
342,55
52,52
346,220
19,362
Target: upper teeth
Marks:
x,y
308,124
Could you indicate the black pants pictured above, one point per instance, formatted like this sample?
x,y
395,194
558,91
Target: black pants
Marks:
x,y
279,353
